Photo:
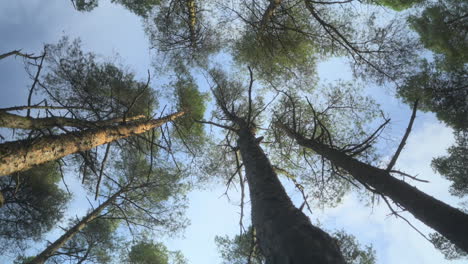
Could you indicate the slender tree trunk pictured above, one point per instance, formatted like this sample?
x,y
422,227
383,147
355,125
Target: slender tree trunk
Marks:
x,y
285,234
192,12
52,248
448,221
22,122
24,154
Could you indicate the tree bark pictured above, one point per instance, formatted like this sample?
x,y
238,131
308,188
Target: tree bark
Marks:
x,y
21,155
192,20
285,234
52,248
448,221
16,121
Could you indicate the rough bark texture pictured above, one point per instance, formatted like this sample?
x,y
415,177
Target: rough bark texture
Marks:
x,y
22,122
52,248
24,154
285,234
448,221
192,12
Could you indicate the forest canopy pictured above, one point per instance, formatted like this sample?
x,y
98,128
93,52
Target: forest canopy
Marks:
x,y
291,112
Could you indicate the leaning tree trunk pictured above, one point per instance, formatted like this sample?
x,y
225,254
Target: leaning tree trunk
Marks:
x,y
285,234
52,248
192,21
16,121
448,221
21,155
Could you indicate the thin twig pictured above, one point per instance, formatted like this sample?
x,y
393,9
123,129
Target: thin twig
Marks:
x,y
101,171
36,78
18,53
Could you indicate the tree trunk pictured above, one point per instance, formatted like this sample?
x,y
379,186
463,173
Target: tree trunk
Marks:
x,y
285,234
24,154
192,20
448,221
16,121
52,248
269,12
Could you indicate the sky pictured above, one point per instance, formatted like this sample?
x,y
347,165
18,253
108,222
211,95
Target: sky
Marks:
x,y
111,30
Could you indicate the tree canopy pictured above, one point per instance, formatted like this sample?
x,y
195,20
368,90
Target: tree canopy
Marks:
x,y
33,203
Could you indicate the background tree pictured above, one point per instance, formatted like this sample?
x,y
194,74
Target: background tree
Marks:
x,y
299,32
180,32
243,249
108,91
397,5
347,114
454,166
284,232
105,90
285,29
272,43
32,205
426,208
143,197
447,248
442,29
148,252
441,92
96,243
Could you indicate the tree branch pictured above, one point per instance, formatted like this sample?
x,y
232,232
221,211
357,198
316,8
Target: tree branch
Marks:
x,y
405,137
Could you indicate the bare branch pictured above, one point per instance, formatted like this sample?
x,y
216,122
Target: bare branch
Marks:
x,y
18,53
215,124
249,114
405,137
103,164
36,79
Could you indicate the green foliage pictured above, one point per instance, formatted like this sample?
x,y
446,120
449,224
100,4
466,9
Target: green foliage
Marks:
x,y
397,5
33,204
180,37
85,5
352,250
105,91
238,249
23,260
449,250
75,78
148,252
454,166
441,92
276,55
345,114
157,199
139,7
193,102
96,243
442,28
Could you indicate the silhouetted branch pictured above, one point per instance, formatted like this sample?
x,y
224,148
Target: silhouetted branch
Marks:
x,y
405,137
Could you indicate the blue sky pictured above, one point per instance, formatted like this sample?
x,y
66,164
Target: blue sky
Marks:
x,y
111,30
